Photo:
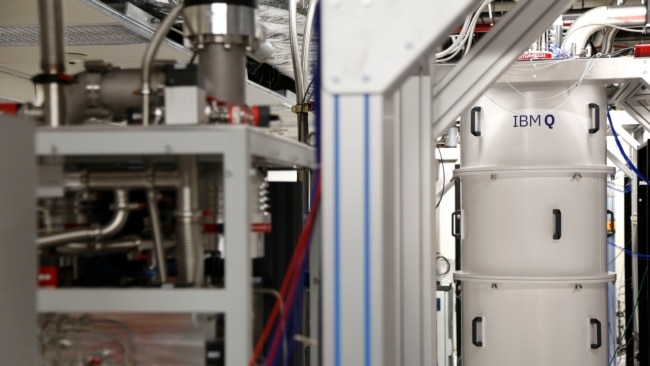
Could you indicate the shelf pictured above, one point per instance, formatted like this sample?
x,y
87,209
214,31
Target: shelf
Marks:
x,y
172,140
132,300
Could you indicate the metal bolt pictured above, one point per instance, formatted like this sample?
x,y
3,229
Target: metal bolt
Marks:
x,y
408,45
365,78
335,79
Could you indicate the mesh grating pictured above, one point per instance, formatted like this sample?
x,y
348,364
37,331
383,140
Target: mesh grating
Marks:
x,y
75,35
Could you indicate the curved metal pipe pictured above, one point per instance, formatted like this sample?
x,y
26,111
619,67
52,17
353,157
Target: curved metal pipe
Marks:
x,y
122,245
599,18
293,40
150,55
306,43
113,227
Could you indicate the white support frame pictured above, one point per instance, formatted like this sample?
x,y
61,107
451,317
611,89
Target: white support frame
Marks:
x,y
378,275
465,82
238,146
18,342
379,279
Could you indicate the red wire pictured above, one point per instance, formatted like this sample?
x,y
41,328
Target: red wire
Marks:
x,y
296,259
292,292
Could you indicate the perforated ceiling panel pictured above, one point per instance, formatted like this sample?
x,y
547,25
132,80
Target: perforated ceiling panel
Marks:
x,y
75,35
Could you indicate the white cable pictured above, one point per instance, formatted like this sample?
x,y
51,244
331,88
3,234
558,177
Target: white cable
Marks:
x,y
576,86
466,32
526,66
475,20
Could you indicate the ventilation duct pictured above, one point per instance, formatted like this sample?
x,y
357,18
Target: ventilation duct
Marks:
x,y
597,19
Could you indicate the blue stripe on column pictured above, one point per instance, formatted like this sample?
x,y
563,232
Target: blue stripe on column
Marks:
x,y
366,229
337,237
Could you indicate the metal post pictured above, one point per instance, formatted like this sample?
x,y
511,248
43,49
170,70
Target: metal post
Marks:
x,y
238,269
50,15
159,249
189,248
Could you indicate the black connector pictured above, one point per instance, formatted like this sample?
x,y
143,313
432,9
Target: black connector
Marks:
x,y
249,3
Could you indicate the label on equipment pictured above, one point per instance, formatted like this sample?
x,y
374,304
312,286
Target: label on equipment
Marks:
x,y
535,55
534,120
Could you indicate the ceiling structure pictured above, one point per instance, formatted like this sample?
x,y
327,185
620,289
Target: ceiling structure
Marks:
x,y
95,30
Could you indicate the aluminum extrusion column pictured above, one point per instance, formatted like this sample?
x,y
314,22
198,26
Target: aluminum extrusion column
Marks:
x,y
533,181
378,274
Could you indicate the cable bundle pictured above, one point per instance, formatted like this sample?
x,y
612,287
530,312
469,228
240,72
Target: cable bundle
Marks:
x,y
290,288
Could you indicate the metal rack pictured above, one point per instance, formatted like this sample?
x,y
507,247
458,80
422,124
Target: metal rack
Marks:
x,y
238,147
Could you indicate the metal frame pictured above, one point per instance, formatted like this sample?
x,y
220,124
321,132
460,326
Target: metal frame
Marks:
x,y
378,275
18,343
463,84
379,279
238,146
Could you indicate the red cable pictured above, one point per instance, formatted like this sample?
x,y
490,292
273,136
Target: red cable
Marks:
x,y
296,259
280,330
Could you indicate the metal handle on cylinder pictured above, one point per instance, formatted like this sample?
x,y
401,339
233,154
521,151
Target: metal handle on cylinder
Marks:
x,y
596,127
599,337
455,220
474,112
557,234
475,340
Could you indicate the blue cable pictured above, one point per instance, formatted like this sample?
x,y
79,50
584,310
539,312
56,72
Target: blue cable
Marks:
x,y
620,148
630,253
295,313
627,189
298,308
444,179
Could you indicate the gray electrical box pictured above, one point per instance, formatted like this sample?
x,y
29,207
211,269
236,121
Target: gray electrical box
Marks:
x,y
17,242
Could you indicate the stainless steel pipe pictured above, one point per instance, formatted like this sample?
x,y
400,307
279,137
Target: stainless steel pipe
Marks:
x,y
189,249
150,55
159,251
118,246
598,18
120,180
112,228
225,72
50,16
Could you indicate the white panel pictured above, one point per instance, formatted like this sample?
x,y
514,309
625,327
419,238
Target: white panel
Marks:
x,y
509,222
370,44
559,133
534,324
